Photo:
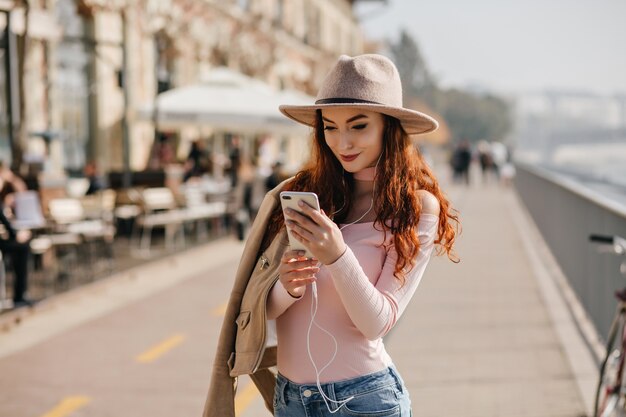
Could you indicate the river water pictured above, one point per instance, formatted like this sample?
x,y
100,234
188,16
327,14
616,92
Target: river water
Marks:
x,y
600,167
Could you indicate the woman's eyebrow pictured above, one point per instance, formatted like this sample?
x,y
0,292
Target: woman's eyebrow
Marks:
x,y
357,117
352,119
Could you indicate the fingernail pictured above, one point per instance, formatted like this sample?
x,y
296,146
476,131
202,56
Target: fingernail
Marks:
x,y
301,203
301,252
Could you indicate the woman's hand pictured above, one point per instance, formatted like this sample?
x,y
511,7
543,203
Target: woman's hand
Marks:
x,y
296,272
316,232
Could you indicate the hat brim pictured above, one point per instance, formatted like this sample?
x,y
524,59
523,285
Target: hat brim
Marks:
x,y
413,122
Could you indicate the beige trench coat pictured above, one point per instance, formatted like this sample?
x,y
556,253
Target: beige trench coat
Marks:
x,y
241,345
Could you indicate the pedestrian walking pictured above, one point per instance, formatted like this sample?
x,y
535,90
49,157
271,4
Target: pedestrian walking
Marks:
x,y
382,215
485,159
461,161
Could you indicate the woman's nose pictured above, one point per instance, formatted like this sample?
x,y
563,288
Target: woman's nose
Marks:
x,y
345,142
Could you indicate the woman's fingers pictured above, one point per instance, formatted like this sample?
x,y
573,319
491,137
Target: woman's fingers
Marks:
x,y
296,259
292,255
296,271
301,273
302,264
314,215
300,232
300,282
316,232
295,265
295,280
301,217
296,288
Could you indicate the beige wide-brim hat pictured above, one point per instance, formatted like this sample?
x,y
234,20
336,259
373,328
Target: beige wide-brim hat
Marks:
x,y
369,82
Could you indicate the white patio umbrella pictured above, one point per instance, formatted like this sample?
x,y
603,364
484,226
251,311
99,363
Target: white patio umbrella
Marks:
x,y
228,101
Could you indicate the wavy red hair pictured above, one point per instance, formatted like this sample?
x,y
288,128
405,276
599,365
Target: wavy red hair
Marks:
x,y
402,172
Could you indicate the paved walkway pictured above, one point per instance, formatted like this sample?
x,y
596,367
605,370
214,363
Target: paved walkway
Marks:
x,y
481,338
477,339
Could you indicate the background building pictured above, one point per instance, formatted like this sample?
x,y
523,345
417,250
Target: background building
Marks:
x,y
90,65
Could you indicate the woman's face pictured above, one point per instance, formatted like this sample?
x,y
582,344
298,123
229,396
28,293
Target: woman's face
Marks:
x,y
355,136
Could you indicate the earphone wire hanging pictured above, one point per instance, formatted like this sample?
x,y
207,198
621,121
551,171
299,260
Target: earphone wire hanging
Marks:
x,y
314,305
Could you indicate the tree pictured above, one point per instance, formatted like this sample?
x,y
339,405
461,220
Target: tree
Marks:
x,y
476,117
416,78
469,116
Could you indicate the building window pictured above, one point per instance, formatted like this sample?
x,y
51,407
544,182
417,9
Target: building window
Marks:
x,y
72,84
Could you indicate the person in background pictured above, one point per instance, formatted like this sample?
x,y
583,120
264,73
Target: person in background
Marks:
x,y
10,184
95,181
276,177
195,164
162,153
499,155
484,157
14,243
461,160
235,161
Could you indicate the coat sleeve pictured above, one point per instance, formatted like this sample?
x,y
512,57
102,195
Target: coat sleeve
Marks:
x,y
220,401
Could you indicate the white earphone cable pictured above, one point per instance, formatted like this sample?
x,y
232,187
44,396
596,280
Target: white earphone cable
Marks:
x,y
314,305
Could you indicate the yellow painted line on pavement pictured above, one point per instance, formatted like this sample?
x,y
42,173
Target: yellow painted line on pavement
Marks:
x,y
67,406
220,311
161,349
244,398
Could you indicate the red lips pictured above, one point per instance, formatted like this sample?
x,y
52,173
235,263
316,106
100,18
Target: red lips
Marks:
x,y
348,158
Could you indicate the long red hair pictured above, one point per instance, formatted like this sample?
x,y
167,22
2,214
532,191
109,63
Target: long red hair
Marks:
x,y
401,173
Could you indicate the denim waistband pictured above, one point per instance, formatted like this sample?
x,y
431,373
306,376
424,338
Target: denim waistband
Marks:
x,y
341,389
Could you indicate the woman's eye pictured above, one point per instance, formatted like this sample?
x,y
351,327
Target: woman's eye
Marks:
x,y
329,128
360,127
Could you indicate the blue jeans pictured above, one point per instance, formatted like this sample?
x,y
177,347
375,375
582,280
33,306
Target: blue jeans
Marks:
x,y
381,394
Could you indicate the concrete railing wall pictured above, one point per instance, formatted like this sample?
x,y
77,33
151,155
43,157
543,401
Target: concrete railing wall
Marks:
x,y
566,213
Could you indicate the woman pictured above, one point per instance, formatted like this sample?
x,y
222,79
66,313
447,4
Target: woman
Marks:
x,y
14,243
382,213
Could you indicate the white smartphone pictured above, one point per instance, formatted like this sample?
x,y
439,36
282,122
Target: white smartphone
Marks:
x,y
290,199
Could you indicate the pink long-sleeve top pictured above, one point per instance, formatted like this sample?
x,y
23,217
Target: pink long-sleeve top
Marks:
x,y
359,301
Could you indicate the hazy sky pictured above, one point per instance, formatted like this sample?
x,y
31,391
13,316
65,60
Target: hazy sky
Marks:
x,y
512,45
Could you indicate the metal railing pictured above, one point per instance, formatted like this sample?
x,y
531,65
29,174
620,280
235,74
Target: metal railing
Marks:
x,y
566,213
